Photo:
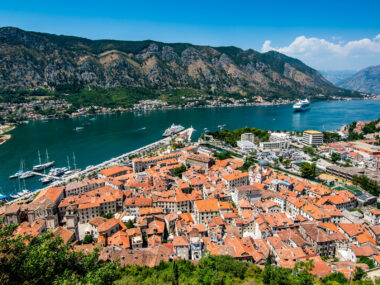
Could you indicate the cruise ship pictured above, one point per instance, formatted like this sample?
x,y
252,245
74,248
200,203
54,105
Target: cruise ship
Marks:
x,y
174,129
301,105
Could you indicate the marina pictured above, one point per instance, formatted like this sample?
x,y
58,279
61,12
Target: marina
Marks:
x,y
112,135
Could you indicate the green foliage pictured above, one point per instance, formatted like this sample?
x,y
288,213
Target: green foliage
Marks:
x,y
310,150
359,274
48,260
308,170
337,277
355,136
250,161
367,184
129,224
335,156
179,170
329,137
87,239
108,216
222,155
231,137
366,260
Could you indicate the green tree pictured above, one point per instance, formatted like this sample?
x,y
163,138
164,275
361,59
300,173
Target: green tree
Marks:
x,y
308,170
129,224
335,156
108,216
87,239
359,274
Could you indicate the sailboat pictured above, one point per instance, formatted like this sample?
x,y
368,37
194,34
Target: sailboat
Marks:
x,y
45,165
18,173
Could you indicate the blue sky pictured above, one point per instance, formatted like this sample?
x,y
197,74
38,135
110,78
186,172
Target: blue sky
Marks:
x,y
324,34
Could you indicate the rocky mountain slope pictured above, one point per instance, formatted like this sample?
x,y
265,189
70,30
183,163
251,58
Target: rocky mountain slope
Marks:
x,y
366,80
34,60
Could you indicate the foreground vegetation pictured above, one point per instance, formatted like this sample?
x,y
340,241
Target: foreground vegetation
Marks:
x,y
47,260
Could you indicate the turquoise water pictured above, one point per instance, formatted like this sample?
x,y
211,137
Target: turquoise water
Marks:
x,y
111,135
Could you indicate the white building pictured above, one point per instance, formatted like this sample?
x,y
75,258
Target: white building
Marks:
x,y
275,145
248,137
245,145
312,138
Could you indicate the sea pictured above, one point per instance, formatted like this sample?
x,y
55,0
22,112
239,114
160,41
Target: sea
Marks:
x,y
107,136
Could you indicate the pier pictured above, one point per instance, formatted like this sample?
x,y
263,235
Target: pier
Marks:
x,y
44,175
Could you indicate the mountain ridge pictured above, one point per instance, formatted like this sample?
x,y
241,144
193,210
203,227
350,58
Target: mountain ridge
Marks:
x,y
366,80
33,60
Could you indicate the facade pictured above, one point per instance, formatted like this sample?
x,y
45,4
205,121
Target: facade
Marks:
x,y
275,145
312,138
246,145
250,137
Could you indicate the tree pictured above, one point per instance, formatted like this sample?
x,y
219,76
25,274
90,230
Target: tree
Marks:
x,y
179,170
129,224
308,170
108,216
359,274
87,239
337,277
335,157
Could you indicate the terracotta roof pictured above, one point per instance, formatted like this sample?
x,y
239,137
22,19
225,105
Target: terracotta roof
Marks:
x,y
64,233
209,205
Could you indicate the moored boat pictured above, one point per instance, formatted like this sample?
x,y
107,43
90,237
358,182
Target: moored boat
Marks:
x,y
174,129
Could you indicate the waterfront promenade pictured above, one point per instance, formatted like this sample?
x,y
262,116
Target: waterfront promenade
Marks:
x,y
113,161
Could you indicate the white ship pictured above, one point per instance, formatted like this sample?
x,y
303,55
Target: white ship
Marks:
x,y
43,166
174,129
301,105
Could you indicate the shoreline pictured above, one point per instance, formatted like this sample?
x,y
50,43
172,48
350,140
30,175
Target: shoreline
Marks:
x,y
3,136
263,104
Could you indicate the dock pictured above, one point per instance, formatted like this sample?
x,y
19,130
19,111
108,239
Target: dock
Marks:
x,y
44,175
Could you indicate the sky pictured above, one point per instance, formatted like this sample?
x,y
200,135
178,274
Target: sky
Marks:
x,y
327,35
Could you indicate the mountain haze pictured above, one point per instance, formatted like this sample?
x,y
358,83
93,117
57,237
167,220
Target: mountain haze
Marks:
x,y
366,80
38,60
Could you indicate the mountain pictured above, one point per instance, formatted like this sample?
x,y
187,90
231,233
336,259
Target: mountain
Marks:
x,y
335,76
33,60
366,80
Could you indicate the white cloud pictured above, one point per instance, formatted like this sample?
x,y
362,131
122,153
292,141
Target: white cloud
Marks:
x,y
324,54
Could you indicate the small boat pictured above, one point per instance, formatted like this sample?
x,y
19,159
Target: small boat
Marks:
x,y
17,174
14,196
25,175
46,179
92,119
78,128
57,171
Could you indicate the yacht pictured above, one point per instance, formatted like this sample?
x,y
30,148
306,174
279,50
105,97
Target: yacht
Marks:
x,y
57,171
174,129
43,166
14,196
301,105
46,179
25,175
17,174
